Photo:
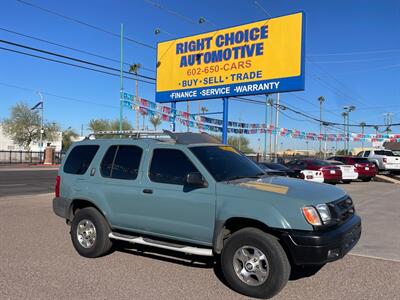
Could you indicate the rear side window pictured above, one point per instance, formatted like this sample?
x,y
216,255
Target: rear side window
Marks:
x,y
121,162
170,166
383,152
78,161
107,162
366,153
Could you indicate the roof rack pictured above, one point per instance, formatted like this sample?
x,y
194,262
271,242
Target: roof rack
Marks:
x,y
178,137
136,134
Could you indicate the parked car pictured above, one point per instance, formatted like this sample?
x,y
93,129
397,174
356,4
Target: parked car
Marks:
x,y
366,170
332,174
311,175
349,172
187,192
384,160
277,167
271,171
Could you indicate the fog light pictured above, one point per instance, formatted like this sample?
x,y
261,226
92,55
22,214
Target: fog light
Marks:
x,y
333,253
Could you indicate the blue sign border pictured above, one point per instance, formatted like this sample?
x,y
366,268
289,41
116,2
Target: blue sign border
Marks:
x,y
286,84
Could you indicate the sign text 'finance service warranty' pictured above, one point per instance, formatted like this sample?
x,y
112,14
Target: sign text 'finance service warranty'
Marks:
x,y
257,58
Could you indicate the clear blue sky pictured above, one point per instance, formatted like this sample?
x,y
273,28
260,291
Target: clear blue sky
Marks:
x,y
352,49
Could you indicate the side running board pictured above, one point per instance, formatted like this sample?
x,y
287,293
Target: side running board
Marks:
x,y
159,244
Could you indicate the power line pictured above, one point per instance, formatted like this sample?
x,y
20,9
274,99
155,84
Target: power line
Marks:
x,y
170,11
69,48
70,64
84,23
58,96
72,58
351,60
357,53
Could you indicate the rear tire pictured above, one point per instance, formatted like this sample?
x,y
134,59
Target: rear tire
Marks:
x,y
366,179
346,181
254,263
89,233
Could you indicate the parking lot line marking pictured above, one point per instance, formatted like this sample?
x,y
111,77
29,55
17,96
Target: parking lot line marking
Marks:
x,y
12,184
375,257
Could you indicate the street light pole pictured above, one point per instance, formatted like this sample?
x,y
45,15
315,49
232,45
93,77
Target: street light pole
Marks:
x,y
41,123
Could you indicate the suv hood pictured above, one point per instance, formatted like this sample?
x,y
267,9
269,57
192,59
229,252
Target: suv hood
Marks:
x,y
310,193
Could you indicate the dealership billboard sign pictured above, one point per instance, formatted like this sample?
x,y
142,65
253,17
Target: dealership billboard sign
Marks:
x,y
256,58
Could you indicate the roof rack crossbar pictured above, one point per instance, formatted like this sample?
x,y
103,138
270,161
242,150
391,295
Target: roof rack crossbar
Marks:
x,y
137,134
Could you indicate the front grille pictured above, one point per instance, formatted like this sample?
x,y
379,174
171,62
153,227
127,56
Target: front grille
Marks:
x,y
341,210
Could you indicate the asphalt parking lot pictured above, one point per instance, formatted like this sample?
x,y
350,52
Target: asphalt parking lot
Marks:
x,y
39,262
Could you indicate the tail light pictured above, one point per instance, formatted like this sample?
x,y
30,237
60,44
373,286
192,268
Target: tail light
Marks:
x,y
384,160
57,186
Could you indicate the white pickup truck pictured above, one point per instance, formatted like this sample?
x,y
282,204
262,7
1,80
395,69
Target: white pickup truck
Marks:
x,y
384,160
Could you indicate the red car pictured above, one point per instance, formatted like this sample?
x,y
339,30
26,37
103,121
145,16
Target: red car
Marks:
x,y
366,169
332,174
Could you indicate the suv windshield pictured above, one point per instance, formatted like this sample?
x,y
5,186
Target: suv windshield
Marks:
x,y
226,163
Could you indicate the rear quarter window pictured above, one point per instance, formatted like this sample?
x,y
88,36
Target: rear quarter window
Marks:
x,y
79,159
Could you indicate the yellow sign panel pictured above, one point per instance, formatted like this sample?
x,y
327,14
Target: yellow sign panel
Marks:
x,y
257,58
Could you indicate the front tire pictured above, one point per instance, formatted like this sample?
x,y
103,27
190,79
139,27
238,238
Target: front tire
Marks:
x,y
89,233
346,181
254,263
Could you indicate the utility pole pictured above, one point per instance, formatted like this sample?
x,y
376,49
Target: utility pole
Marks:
x,y
362,124
188,112
325,139
321,100
276,126
388,121
344,115
307,147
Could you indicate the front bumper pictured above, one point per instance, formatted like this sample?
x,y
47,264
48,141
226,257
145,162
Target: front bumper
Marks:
x,y
320,247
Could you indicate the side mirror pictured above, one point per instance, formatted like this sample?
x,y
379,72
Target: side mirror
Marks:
x,y
195,179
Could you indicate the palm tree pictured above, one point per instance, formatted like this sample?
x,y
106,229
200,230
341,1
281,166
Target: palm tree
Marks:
x,y
204,109
156,121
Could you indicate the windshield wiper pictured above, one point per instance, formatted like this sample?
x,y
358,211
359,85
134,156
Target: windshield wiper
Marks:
x,y
258,175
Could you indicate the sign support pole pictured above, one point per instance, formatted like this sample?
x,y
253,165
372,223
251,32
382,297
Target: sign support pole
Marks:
x,y
121,95
173,108
225,121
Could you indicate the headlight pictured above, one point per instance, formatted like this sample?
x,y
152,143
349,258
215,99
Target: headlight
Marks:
x,y
317,215
324,212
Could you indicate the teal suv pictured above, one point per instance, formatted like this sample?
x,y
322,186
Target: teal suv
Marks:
x,y
189,193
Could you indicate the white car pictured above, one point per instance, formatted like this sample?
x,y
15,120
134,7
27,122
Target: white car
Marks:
x,y
312,175
349,172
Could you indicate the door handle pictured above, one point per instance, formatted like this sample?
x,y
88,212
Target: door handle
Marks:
x,y
148,191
